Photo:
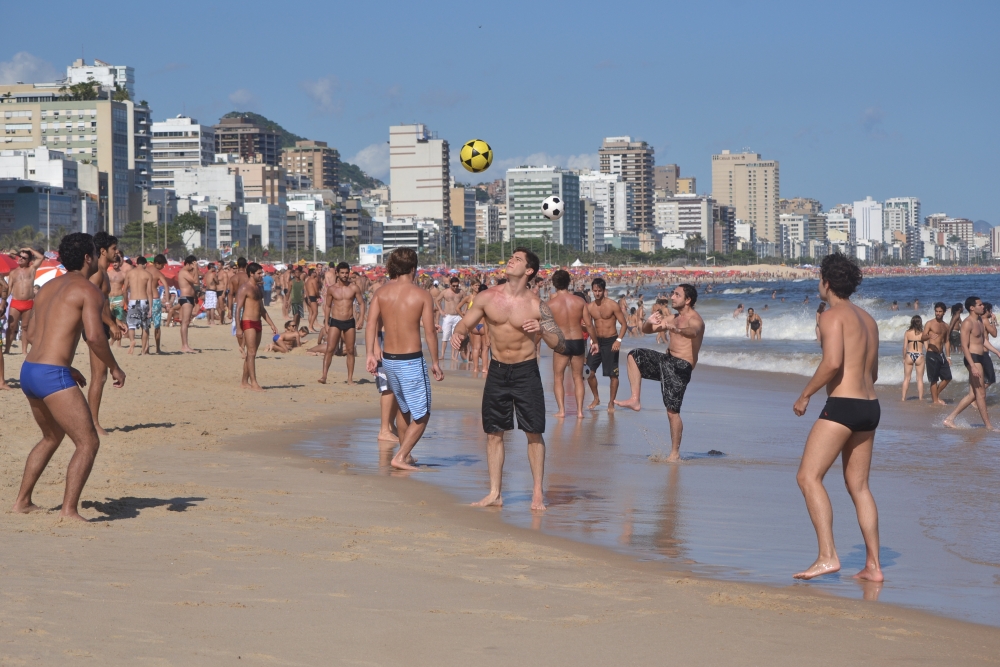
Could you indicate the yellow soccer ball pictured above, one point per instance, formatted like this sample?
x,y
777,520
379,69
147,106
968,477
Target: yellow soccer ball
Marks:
x,y
476,156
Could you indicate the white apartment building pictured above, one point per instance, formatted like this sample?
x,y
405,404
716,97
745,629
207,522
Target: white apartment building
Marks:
x,y
527,188
488,223
689,215
995,242
48,166
180,143
401,233
213,183
868,221
614,195
107,76
908,206
504,224
841,229
265,225
893,223
419,173
311,208
595,231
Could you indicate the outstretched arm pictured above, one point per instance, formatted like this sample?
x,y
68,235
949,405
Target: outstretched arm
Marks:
x,y
472,316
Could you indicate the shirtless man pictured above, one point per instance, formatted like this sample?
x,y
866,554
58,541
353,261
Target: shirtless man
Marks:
x,y
974,355
568,309
225,275
156,309
402,308
312,298
448,303
22,294
516,317
211,283
107,248
239,277
673,369
141,290
66,306
935,360
116,297
605,316
187,282
338,311
847,423
3,309
249,310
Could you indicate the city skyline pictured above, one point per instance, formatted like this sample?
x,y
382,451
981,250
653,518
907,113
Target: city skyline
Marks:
x,y
894,118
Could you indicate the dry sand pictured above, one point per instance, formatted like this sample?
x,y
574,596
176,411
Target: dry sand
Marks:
x,y
213,545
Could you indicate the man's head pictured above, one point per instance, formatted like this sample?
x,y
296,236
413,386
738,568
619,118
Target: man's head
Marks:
x,y
160,261
117,261
211,266
344,272
241,262
256,272
940,309
840,275
189,260
141,262
402,261
683,295
24,258
77,252
599,288
453,284
560,279
522,262
974,305
107,246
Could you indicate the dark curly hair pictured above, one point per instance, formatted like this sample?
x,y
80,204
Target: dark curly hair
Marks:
x,y
74,248
401,261
841,274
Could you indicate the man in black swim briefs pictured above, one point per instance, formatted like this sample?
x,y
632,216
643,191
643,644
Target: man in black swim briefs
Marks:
x,y
339,301
847,423
976,360
568,310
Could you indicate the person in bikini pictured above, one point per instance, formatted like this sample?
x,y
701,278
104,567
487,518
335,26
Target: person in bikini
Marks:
x,y
22,295
674,368
65,307
188,282
938,364
568,311
846,424
338,307
289,339
607,321
976,360
913,356
249,311
755,325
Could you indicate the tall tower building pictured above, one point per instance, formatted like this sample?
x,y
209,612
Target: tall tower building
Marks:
x,y
419,174
910,208
868,216
527,188
752,187
243,137
316,160
180,143
634,161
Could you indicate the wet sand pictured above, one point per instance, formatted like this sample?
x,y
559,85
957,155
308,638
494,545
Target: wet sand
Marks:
x,y
214,543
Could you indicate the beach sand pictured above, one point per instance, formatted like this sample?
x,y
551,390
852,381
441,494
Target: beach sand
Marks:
x,y
213,544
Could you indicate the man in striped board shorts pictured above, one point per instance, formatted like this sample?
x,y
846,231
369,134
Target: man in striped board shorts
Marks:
x,y
401,307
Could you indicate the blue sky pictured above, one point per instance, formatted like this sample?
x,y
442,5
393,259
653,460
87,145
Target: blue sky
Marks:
x,y
853,98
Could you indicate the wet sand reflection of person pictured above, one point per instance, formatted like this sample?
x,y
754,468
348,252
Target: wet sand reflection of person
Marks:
x,y
666,540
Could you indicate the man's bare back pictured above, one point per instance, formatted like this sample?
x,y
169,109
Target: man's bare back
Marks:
x,y
567,309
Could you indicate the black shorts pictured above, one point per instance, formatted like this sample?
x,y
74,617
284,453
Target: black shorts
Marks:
x,y
857,414
605,357
343,325
989,374
510,389
673,374
937,366
313,299
955,338
575,348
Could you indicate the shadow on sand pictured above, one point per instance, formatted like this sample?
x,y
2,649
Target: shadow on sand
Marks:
x,y
129,507
136,427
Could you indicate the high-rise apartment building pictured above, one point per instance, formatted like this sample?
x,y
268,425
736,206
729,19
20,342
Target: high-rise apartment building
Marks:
x,y
592,215
107,76
316,160
527,188
243,137
180,143
665,177
612,194
634,161
463,207
419,174
690,215
262,183
687,186
909,207
752,187
488,223
868,219
799,205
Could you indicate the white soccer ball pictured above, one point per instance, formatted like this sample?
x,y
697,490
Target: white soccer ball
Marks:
x,y
552,207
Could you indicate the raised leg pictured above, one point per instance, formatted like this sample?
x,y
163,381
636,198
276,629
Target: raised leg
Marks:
x,y
857,460
635,384
494,459
40,455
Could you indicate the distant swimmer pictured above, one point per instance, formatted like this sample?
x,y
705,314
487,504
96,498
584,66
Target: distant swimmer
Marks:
x,y
64,308
738,311
916,304
913,356
608,322
568,311
516,317
673,369
774,294
847,423
977,361
938,365
401,307
755,325
819,311
894,306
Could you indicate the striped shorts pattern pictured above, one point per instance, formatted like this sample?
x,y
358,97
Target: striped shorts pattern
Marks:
x,y
410,383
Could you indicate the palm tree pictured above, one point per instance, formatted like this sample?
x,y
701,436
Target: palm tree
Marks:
x,y
694,243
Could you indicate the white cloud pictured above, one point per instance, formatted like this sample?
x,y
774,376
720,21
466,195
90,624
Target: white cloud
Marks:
x,y
321,92
27,68
373,160
243,97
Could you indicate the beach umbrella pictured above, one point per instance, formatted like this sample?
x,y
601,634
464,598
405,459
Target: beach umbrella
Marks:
x,y
7,264
47,273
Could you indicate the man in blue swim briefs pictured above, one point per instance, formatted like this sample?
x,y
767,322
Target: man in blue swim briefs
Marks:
x,y
847,423
64,308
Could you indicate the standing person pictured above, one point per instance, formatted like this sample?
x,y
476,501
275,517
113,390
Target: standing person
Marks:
x,y
107,249
338,307
188,282
402,307
141,289
568,310
312,298
283,280
235,282
22,295
249,311
3,310
296,296
211,282
672,369
66,306
973,335
913,356
116,298
847,423
268,285
449,302
516,317
937,362
755,325
955,330
608,323
479,342
161,293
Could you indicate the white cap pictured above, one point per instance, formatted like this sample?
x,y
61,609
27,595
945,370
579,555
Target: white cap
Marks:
x,y
436,282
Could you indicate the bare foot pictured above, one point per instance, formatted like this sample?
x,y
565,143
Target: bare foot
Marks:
x,y
351,382
100,430
26,509
256,387
412,461
632,404
387,436
537,502
938,402
322,380
674,457
4,385
490,501
949,423
579,414
870,574
188,350
400,464
244,385
594,404
820,567
611,407
71,516
561,413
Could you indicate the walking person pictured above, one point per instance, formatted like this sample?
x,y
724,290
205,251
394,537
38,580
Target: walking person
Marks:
x,y
755,325
936,361
568,310
107,248
188,281
608,323
846,425
974,354
913,356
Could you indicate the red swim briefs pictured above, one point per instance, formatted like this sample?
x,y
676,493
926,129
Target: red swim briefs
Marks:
x,y
250,324
23,306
